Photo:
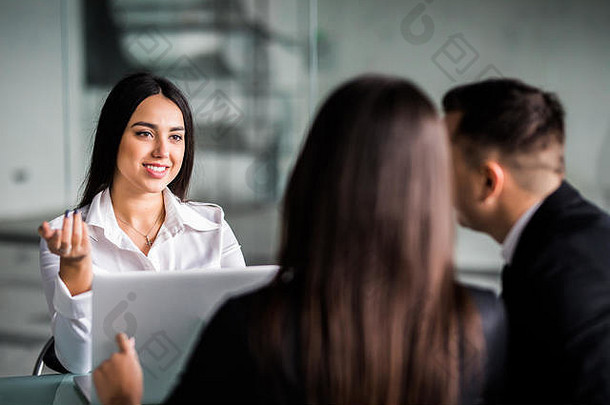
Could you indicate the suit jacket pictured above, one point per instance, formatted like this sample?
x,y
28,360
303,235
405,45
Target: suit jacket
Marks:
x,y
557,297
223,368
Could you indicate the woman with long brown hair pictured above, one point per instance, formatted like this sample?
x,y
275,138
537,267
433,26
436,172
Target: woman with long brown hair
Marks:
x,y
365,308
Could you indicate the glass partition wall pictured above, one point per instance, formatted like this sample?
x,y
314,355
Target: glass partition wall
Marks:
x,y
244,65
245,68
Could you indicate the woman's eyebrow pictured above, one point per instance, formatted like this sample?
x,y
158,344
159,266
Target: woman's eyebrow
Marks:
x,y
144,124
155,127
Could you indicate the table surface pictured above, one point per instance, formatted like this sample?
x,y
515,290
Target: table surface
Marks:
x,y
44,390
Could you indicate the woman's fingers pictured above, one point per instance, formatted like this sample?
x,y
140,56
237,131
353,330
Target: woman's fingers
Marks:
x,y
51,236
126,345
119,379
80,238
77,230
48,234
55,241
45,231
71,241
85,238
66,238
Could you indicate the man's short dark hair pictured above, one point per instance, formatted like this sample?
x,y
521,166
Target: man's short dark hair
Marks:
x,y
507,115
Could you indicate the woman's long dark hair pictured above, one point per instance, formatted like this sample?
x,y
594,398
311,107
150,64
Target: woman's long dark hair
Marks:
x,y
116,112
368,238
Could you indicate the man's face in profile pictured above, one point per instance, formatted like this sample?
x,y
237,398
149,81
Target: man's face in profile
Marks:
x,y
465,178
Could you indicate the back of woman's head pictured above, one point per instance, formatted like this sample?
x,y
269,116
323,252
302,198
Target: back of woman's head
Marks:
x,y
372,178
367,232
120,104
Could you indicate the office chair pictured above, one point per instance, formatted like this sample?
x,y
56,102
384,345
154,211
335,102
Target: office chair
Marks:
x,y
48,358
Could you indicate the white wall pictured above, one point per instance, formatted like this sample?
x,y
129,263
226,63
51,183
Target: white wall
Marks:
x,y
32,168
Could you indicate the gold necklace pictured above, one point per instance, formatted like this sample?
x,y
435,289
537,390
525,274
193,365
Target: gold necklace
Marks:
x,y
145,235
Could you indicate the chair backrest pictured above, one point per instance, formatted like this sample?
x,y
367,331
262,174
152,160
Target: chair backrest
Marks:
x,y
48,358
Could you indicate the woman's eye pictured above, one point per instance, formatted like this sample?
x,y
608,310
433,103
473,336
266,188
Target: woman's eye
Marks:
x,y
144,133
176,138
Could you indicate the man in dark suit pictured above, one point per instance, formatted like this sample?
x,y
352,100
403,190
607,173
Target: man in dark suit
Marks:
x,y
507,143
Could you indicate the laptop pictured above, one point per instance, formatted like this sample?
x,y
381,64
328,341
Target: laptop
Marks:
x,y
165,312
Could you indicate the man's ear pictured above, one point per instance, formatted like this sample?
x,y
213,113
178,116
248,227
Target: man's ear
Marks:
x,y
494,178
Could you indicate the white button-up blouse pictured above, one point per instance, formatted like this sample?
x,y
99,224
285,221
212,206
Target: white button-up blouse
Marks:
x,y
193,236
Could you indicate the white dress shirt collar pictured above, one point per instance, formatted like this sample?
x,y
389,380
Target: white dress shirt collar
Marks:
x,y
512,239
177,216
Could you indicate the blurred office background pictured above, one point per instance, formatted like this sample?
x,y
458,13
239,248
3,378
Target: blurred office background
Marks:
x,y
254,72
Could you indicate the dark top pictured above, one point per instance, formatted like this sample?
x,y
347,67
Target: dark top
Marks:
x,y
557,297
223,369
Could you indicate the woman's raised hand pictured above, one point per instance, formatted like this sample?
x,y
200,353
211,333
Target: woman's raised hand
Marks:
x,y
71,241
71,244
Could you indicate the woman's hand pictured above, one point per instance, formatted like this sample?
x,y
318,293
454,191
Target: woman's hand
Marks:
x,y
71,244
118,380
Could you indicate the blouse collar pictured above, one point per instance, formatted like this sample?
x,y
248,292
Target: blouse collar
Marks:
x,y
178,215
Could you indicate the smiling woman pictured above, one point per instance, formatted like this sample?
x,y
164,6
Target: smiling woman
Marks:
x,y
133,214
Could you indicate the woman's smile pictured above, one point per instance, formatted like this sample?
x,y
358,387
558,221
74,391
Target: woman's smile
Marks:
x,y
156,170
